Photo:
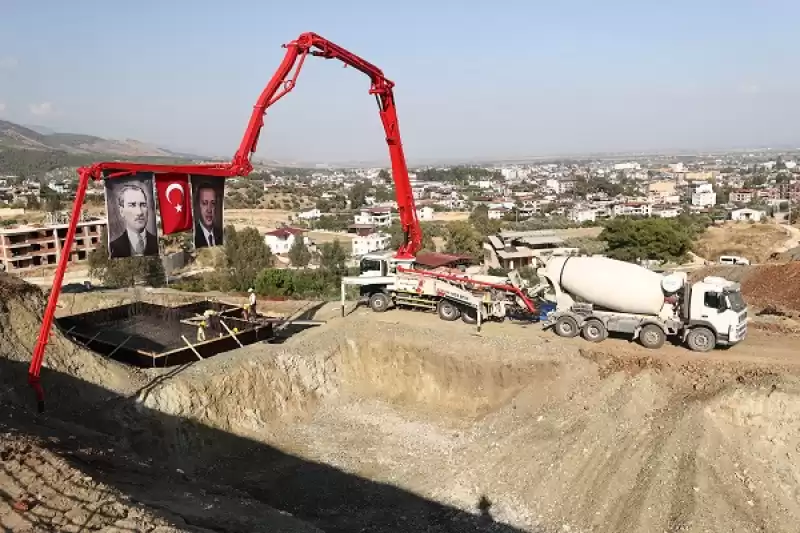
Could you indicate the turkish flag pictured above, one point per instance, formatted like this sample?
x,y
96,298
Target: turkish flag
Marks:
x,y
174,201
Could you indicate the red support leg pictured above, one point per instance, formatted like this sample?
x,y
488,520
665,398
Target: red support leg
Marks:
x,y
47,321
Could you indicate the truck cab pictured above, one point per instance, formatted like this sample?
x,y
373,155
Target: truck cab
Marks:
x,y
376,277
715,304
381,264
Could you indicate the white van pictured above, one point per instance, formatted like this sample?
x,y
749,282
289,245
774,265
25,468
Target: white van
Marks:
x,y
733,260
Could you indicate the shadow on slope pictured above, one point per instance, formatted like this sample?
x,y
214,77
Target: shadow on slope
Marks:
x,y
209,478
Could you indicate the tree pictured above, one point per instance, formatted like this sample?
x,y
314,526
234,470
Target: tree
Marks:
x,y
246,254
299,254
479,218
658,239
332,257
98,258
154,274
384,194
358,194
463,239
385,177
397,237
124,271
54,202
33,203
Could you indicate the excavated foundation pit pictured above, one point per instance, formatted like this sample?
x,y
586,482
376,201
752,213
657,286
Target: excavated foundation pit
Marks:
x,y
149,335
374,425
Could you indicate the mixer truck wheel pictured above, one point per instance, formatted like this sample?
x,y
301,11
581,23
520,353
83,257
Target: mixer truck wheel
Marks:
x,y
447,310
594,331
566,326
701,340
652,336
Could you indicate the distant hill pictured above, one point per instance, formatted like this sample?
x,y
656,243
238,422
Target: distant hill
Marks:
x,y
43,139
44,130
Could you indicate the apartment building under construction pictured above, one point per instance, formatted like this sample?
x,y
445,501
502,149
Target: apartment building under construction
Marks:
x,y
32,246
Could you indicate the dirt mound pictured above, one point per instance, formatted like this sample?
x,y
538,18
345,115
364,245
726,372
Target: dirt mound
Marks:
x,y
643,446
21,308
764,286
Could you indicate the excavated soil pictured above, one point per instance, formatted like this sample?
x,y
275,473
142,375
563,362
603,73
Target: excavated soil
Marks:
x,y
402,422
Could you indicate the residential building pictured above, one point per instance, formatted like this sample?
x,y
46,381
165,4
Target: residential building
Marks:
x,y
497,213
311,214
425,213
633,209
370,242
703,194
699,176
37,245
789,191
515,249
741,196
560,186
281,240
583,215
665,211
746,214
61,187
375,216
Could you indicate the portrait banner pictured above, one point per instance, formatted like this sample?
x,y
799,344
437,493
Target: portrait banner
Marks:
x,y
131,210
174,202
208,196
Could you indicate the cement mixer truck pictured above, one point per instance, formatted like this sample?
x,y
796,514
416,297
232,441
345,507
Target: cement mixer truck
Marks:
x,y
595,296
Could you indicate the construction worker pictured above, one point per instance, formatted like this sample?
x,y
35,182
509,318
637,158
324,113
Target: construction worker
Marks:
x,y
251,307
213,319
201,331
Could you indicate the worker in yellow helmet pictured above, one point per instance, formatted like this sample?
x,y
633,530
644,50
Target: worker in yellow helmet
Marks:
x,y
251,304
201,331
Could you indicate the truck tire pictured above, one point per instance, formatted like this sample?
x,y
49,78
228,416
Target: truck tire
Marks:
x,y
379,302
701,340
567,327
447,310
594,331
652,336
469,315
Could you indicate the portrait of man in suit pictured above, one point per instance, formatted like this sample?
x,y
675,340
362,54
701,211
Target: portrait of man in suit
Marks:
x,y
208,197
133,209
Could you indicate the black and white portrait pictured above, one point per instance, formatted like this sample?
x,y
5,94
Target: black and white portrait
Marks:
x,y
131,209
208,195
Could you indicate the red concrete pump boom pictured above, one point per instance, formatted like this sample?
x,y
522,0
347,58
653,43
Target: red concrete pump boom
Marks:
x,y
280,84
381,87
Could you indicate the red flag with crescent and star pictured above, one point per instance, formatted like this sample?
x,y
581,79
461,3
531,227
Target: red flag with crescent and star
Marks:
x,y
174,201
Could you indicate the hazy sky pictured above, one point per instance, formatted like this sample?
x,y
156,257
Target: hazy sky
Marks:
x,y
474,78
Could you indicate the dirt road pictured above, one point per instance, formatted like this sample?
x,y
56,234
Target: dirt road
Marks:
x,y
793,240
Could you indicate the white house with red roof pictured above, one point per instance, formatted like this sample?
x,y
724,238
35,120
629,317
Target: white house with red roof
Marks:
x,y
281,240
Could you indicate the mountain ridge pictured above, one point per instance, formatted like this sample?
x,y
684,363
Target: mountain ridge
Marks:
x,y
13,135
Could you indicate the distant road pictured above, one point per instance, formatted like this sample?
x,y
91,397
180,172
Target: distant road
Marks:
x,y
792,242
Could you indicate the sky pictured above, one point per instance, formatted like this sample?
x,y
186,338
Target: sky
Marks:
x,y
474,79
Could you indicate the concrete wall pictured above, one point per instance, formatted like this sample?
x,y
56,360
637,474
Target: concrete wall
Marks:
x,y
173,262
